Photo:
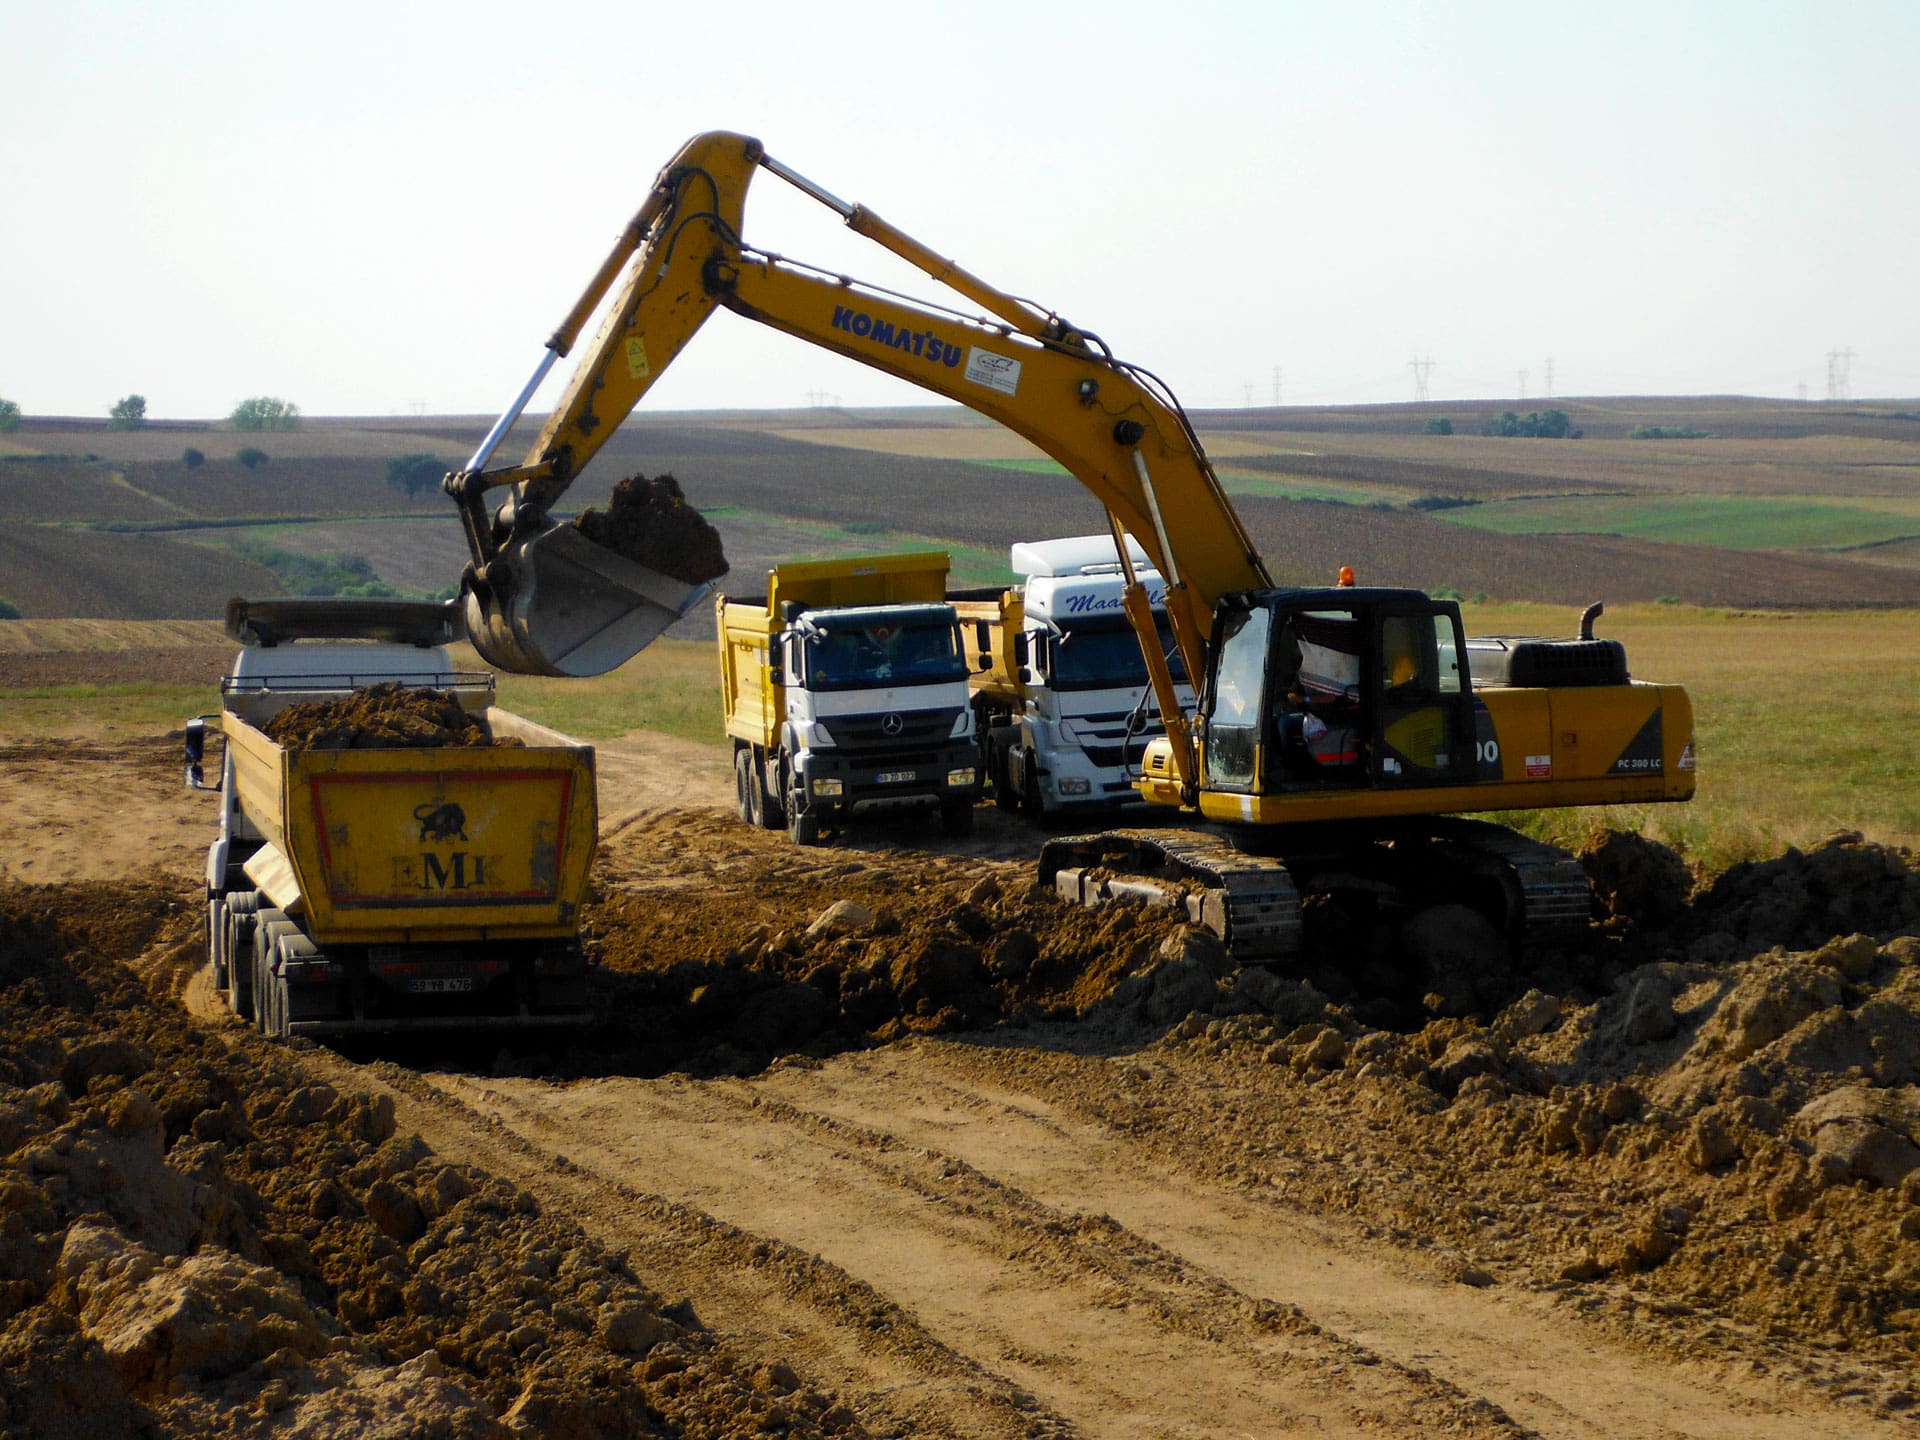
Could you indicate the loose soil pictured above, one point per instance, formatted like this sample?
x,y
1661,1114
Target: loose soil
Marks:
x,y
650,522
390,716
875,1138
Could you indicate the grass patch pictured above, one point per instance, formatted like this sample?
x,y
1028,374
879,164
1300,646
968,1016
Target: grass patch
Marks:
x,y
113,712
1803,724
1775,522
1246,482
673,686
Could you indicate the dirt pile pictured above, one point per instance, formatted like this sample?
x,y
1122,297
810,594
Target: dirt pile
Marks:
x,y
795,958
390,716
650,522
197,1239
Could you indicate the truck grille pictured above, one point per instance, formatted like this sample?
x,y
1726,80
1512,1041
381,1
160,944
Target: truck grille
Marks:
x,y
909,728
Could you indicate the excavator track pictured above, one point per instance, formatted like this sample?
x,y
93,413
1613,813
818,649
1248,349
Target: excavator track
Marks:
x,y
1249,901
1536,893
1549,900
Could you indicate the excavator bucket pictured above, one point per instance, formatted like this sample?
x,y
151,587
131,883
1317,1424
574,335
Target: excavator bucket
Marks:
x,y
571,607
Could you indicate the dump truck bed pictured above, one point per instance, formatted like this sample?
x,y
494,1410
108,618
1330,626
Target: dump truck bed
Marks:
x,y
394,846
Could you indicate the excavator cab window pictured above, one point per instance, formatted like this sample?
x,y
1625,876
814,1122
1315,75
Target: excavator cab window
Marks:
x,y
1320,696
1235,708
1422,730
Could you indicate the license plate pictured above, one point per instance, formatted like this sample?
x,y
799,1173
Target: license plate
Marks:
x,y
457,986
894,777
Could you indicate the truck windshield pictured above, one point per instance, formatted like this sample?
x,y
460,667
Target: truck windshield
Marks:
x,y
1106,654
848,658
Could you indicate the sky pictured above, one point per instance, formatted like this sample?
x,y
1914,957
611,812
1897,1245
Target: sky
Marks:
x,y
385,209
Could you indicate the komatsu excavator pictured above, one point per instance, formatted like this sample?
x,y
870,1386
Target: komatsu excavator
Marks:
x,y
1336,731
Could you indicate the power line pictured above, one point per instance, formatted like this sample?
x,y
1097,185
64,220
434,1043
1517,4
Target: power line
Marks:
x,y
1421,369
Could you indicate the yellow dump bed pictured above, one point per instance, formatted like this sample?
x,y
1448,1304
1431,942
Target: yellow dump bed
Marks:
x,y
990,627
382,846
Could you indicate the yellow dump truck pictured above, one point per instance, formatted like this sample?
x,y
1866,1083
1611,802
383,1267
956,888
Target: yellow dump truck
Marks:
x,y
436,886
845,686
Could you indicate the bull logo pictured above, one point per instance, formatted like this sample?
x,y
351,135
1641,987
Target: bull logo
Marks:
x,y
441,822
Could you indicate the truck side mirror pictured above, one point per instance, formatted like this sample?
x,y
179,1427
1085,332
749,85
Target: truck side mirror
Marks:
x,y
196,777
1022,650
776,674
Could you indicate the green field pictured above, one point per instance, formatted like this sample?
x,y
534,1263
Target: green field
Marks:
x,y
1774,522
673,686
1804,724
1249,482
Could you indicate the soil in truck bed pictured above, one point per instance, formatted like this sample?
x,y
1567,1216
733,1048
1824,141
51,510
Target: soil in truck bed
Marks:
x,y
651,523
381,717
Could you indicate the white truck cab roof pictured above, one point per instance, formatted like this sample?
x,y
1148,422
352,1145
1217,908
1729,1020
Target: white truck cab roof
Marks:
x,y
1074,555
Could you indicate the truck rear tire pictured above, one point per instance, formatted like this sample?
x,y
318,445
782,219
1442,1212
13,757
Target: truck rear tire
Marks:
x,y
242,908
217,940
268,929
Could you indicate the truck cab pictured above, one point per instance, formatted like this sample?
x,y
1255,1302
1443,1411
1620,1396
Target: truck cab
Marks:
x,y
1064,707
847,690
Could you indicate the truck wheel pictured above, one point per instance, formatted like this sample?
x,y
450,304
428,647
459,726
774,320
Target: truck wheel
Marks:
x,y
242,912
956,817
1030,791
773,809
746,785
217,940
803,826
268,928
1004,795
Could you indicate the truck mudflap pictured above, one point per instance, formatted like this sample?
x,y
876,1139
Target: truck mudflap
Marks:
x,y
1537,894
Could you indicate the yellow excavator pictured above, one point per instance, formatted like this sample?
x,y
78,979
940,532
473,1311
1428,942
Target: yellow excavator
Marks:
x,y
1337,730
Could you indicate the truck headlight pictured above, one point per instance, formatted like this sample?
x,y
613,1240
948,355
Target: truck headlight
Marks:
x,y
1075,785
827,789
959,778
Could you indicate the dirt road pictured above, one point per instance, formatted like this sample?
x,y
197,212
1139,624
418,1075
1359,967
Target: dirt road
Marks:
x,y
1074,1223
1034,1253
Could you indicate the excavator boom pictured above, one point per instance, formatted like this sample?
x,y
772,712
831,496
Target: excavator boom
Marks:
x,y
1112,425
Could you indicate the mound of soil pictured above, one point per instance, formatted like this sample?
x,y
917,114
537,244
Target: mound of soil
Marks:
x,y
650,522
198,1239
391,716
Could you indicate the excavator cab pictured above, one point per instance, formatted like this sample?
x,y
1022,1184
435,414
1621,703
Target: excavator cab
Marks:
x,y
1336,689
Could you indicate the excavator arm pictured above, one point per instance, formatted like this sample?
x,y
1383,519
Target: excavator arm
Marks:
x,y
1112,425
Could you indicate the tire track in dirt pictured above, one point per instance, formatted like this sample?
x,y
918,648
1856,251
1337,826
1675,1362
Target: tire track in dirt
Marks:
x,y
1118,1335
1517,1351
773,1300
